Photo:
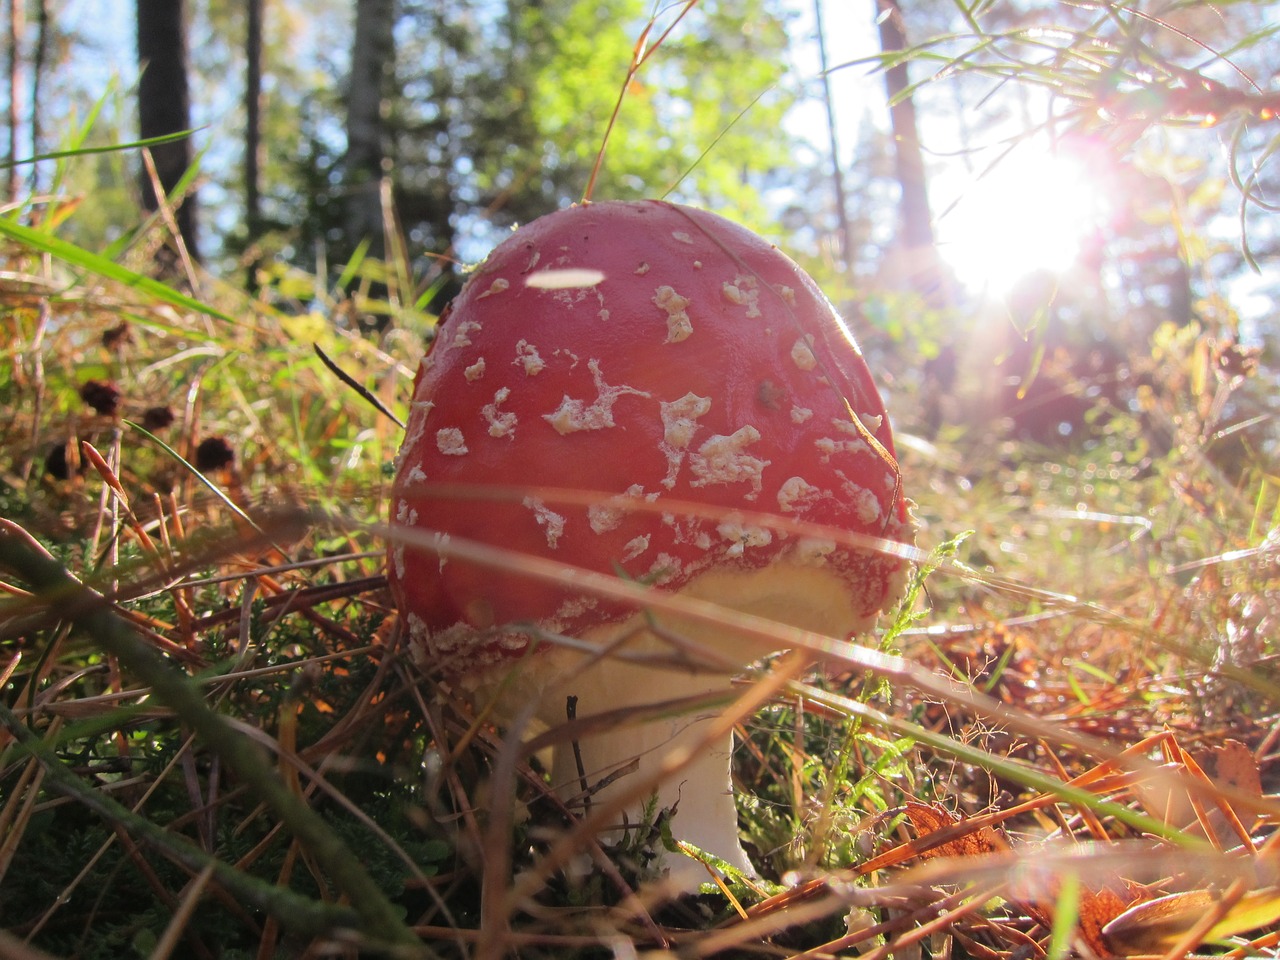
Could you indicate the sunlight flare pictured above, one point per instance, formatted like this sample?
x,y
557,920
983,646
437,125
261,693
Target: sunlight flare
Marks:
x,y
1034,210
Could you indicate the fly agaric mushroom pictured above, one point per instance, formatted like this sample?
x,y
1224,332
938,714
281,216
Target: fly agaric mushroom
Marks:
x,y
651,352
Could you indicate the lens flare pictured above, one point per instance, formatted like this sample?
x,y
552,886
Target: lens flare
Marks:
x,y
1032,211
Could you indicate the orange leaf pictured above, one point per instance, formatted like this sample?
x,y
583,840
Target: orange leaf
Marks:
x,y
968,842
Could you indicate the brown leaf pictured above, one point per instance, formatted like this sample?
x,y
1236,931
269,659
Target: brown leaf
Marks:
x,y
1157,925
1098,908
968,842
1236,767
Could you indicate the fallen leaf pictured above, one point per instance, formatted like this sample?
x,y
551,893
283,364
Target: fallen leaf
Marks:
x,y
929,820
1157,925
1236,767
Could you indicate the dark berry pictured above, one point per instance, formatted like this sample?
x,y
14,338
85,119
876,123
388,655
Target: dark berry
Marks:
x,y
55,464
214,453
118,336
157,418
101,396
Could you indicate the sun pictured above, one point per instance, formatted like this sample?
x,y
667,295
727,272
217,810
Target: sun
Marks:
x,y
1034,210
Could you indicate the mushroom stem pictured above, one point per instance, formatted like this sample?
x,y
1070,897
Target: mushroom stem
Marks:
x,y
700,794
662,650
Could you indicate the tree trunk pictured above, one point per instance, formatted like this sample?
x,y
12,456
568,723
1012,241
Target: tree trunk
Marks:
x,y
372,61
164,105
916,244
17,27
39,60
837,170
253,122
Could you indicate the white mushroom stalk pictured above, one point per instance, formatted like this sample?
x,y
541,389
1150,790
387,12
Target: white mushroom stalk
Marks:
x,y
656,353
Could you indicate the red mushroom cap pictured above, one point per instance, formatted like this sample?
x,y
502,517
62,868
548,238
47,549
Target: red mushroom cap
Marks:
x,y
652,352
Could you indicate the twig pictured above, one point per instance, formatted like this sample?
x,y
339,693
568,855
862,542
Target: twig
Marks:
x,y
571,714
358,388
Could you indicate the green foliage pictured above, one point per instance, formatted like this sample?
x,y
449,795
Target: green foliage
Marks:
x,y
715,81
509,111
